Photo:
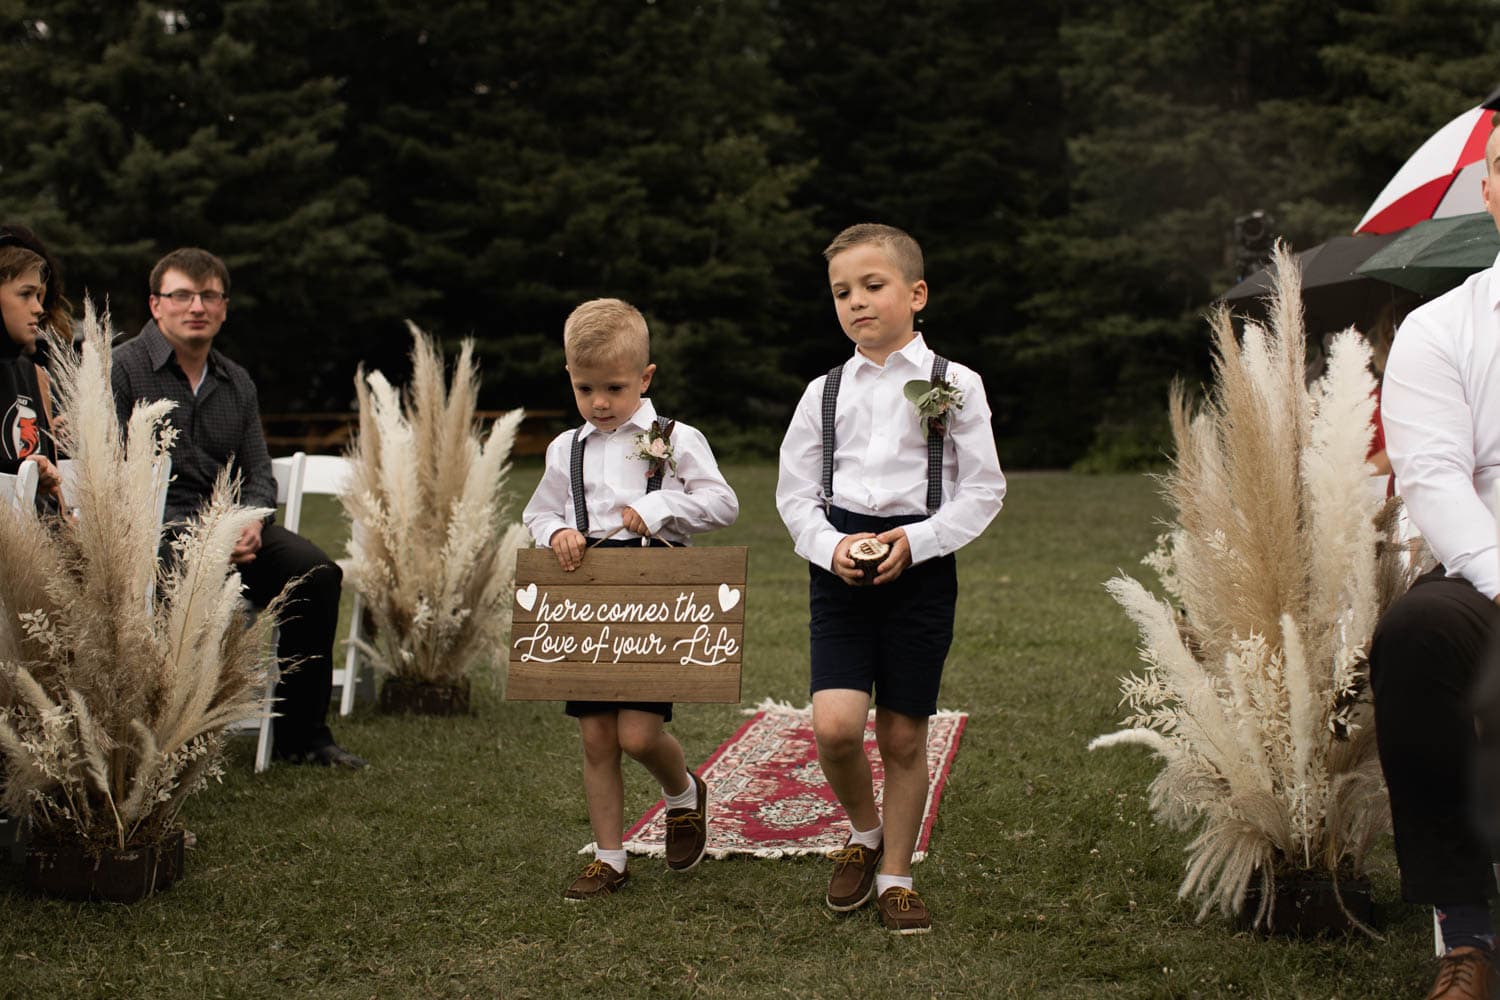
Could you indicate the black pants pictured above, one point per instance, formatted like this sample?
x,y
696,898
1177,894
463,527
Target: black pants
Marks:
x,y
1429,652
310,617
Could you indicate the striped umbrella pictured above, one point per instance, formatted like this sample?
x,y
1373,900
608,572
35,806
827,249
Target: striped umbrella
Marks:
x,y
1440,179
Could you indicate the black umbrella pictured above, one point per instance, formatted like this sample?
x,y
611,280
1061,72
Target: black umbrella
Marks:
x,y
1334,294
1434,256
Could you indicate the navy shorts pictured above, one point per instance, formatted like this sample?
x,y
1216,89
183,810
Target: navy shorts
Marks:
x,y
891,639
578,709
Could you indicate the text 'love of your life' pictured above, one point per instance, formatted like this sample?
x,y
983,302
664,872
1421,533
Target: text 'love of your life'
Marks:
x,y
629,624
707,645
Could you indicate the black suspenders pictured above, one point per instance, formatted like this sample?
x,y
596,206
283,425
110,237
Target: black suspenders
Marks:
x,y
575,473
934,441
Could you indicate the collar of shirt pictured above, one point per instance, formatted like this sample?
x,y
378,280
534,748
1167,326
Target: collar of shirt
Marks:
x,y
159,350
915,355
638,421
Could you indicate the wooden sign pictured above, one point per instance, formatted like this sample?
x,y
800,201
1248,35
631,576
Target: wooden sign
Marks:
x,y
630,624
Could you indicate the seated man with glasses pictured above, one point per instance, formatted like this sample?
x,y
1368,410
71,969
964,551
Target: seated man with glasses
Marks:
x,y
217,418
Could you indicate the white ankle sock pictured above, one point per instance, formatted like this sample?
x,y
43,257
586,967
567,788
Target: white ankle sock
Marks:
x,y
615,859
884,882
686,799
867,838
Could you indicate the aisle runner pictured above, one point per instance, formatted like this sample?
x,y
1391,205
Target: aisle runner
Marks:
x,y
767,796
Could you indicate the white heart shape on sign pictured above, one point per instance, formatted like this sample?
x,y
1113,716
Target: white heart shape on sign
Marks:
x,y
526,596
728,596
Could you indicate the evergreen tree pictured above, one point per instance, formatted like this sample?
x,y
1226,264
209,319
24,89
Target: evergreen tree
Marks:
x,y
1186,115
208,125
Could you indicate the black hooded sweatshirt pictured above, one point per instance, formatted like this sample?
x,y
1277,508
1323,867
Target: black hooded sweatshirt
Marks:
x,y
24,428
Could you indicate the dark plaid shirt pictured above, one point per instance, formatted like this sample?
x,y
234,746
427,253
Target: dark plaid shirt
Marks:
x,y
219,426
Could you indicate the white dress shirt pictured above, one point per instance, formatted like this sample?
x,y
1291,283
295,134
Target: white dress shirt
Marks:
x,y
692,500
880,458
1440,406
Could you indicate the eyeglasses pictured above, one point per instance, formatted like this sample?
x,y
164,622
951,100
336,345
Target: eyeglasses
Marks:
x,y
182,297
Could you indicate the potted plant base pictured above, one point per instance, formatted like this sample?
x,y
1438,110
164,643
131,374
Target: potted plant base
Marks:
x,y
399,696
1307,904
68,871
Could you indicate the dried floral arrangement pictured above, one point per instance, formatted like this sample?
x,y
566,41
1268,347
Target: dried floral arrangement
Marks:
x,y
1277,566
430,550
113,698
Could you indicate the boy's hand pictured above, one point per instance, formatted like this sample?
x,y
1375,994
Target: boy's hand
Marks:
x,y
845,568
634,522
900,558
569,544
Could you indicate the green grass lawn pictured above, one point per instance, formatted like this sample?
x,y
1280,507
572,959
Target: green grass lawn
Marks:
x,y
439,871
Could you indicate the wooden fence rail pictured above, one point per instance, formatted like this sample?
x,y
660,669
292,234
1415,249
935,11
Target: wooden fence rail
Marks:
x,y
329,433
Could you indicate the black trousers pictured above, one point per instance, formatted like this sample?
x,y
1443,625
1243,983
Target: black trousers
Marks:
x,y
309,620
1429,654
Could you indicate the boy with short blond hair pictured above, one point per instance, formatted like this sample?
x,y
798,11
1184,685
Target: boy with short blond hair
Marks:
x,y
626,472
887,468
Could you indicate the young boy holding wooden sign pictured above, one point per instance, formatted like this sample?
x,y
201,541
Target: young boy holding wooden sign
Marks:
x,y
626,472
881,481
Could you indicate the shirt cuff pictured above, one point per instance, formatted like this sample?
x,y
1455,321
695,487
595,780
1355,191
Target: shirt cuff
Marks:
x,y
542,531
654,510
820,550
922,538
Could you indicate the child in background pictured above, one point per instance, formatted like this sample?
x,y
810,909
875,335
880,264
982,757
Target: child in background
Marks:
x,y
630,474
871,455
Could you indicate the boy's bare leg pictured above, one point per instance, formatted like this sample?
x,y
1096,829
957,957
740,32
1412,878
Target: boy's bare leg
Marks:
x,y
839,725
603,786
903,751
640,734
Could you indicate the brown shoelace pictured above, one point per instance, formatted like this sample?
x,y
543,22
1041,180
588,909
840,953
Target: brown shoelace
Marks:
x,y
596,868
854,854
902,899
694,818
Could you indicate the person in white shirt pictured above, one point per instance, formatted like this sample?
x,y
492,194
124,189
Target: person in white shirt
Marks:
x,y
924,481
628,473
1441,411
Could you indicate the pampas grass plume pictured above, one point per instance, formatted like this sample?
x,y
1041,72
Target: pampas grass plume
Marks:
x,y
1278,564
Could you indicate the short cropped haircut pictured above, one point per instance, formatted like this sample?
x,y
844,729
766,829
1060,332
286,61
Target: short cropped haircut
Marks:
x,y
606,331
198,265
897,245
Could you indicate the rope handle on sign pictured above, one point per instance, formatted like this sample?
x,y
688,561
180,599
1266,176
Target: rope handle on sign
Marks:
x,y
644,538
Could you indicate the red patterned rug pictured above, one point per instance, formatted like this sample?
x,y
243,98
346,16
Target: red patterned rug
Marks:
x,y
767,796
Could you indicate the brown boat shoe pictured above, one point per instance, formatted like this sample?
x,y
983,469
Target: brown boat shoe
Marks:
x,y
853,881
687,832
1465,974
598,879
903,912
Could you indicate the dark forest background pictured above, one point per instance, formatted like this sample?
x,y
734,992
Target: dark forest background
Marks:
x,y
1073,170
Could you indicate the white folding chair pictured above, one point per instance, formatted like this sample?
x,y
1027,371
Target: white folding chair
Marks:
x,y
20,489
328,475
68,471
288,473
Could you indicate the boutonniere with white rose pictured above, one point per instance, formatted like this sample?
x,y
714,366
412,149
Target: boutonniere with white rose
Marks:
x,y
655,446
935,403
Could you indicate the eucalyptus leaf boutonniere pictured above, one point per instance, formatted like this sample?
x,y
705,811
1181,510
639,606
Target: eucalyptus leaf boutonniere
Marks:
x,y
655,446
935,403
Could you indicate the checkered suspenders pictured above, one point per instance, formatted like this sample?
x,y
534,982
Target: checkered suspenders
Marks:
x,y
830,414
935,446
575,474
934,441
